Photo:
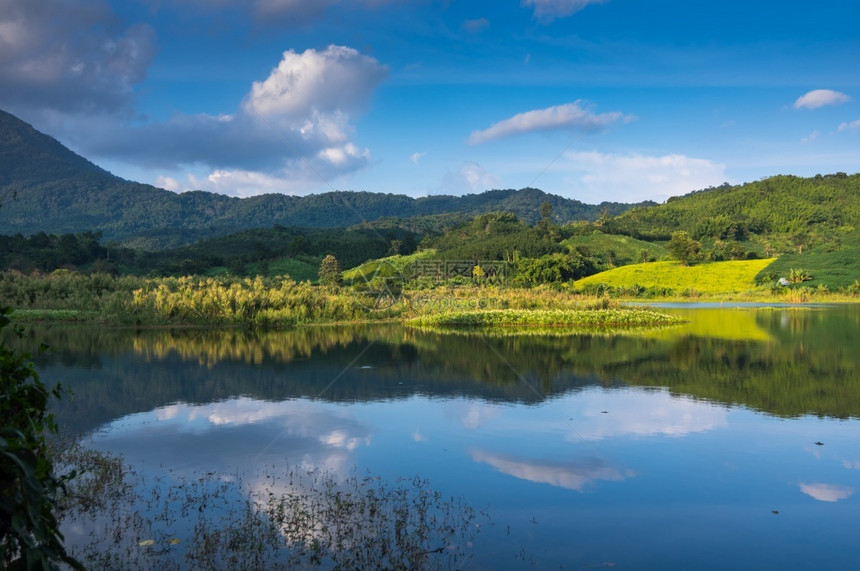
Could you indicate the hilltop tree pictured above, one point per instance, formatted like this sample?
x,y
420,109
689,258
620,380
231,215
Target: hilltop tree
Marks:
x,y
329,271
684,248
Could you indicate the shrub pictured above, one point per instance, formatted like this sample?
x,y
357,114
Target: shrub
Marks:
x,y
796,276
29,532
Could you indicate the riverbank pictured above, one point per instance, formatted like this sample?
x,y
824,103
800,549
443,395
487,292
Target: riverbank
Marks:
x,y
278,303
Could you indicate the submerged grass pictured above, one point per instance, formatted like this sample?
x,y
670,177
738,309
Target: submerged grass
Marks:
x,y
280,518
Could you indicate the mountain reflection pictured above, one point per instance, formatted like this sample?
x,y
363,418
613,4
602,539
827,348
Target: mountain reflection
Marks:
x,y
784,362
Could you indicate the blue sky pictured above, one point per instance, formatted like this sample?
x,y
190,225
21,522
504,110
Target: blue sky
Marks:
x,y
596,100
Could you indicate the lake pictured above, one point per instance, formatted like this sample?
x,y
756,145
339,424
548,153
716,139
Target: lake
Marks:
x,y
732,441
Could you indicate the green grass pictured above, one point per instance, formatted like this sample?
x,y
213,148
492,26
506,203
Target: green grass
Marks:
x,y
705,278
387,267
31,315
627,250
586,319
832,269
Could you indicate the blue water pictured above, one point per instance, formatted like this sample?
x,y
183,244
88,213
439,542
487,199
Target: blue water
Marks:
x,y
577,462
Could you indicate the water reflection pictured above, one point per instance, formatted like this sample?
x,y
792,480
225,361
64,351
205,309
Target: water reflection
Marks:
x,y
570,475
238,432
808,364
827,492
593,437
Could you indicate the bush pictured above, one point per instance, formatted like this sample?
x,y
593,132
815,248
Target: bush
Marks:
x,y
29,532
796,276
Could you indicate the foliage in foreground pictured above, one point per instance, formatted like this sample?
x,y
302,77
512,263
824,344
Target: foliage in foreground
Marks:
x,y
298,518
29,531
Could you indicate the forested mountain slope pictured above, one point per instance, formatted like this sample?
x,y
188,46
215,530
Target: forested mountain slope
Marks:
x,y
46,187
779,211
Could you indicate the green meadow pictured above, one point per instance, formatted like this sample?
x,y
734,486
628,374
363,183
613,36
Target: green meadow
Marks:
x,y
669,278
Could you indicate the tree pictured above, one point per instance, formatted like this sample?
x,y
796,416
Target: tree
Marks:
x,y
546,212
684,248
329,271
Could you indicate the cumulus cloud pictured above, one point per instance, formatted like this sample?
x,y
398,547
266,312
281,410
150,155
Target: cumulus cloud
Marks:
x,y
79,59
546,11
820,98
570,475
827,492
292,127
845,126
636,177
415,157
569,116
337,79
471,177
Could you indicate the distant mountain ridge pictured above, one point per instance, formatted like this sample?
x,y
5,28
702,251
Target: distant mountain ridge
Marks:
x,y
57,191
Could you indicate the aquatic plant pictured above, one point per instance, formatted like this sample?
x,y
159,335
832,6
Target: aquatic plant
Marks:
x,y
297,518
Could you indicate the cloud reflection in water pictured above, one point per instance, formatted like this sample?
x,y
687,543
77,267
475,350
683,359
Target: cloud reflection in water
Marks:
x,y
570,475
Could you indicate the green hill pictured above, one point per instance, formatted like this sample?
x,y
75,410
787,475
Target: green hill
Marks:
x,y
46,187
780,214
620,250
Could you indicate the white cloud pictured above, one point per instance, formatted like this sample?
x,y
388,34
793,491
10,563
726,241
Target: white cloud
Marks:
x,y
643,413
69,55
337,79
820,98
471,177
546,11
811,137
302,111
473,415
569,475
169,183
846,125
568,116
633,178
415,157
240,183
217,434
827,492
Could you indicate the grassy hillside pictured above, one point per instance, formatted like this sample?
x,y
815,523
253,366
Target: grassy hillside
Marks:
x,y
712,278
623,250
832,269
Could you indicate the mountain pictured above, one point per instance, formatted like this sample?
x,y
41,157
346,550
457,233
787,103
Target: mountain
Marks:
x,y
46,187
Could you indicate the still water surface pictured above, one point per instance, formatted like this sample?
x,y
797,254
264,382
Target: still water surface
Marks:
x,y
730,442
